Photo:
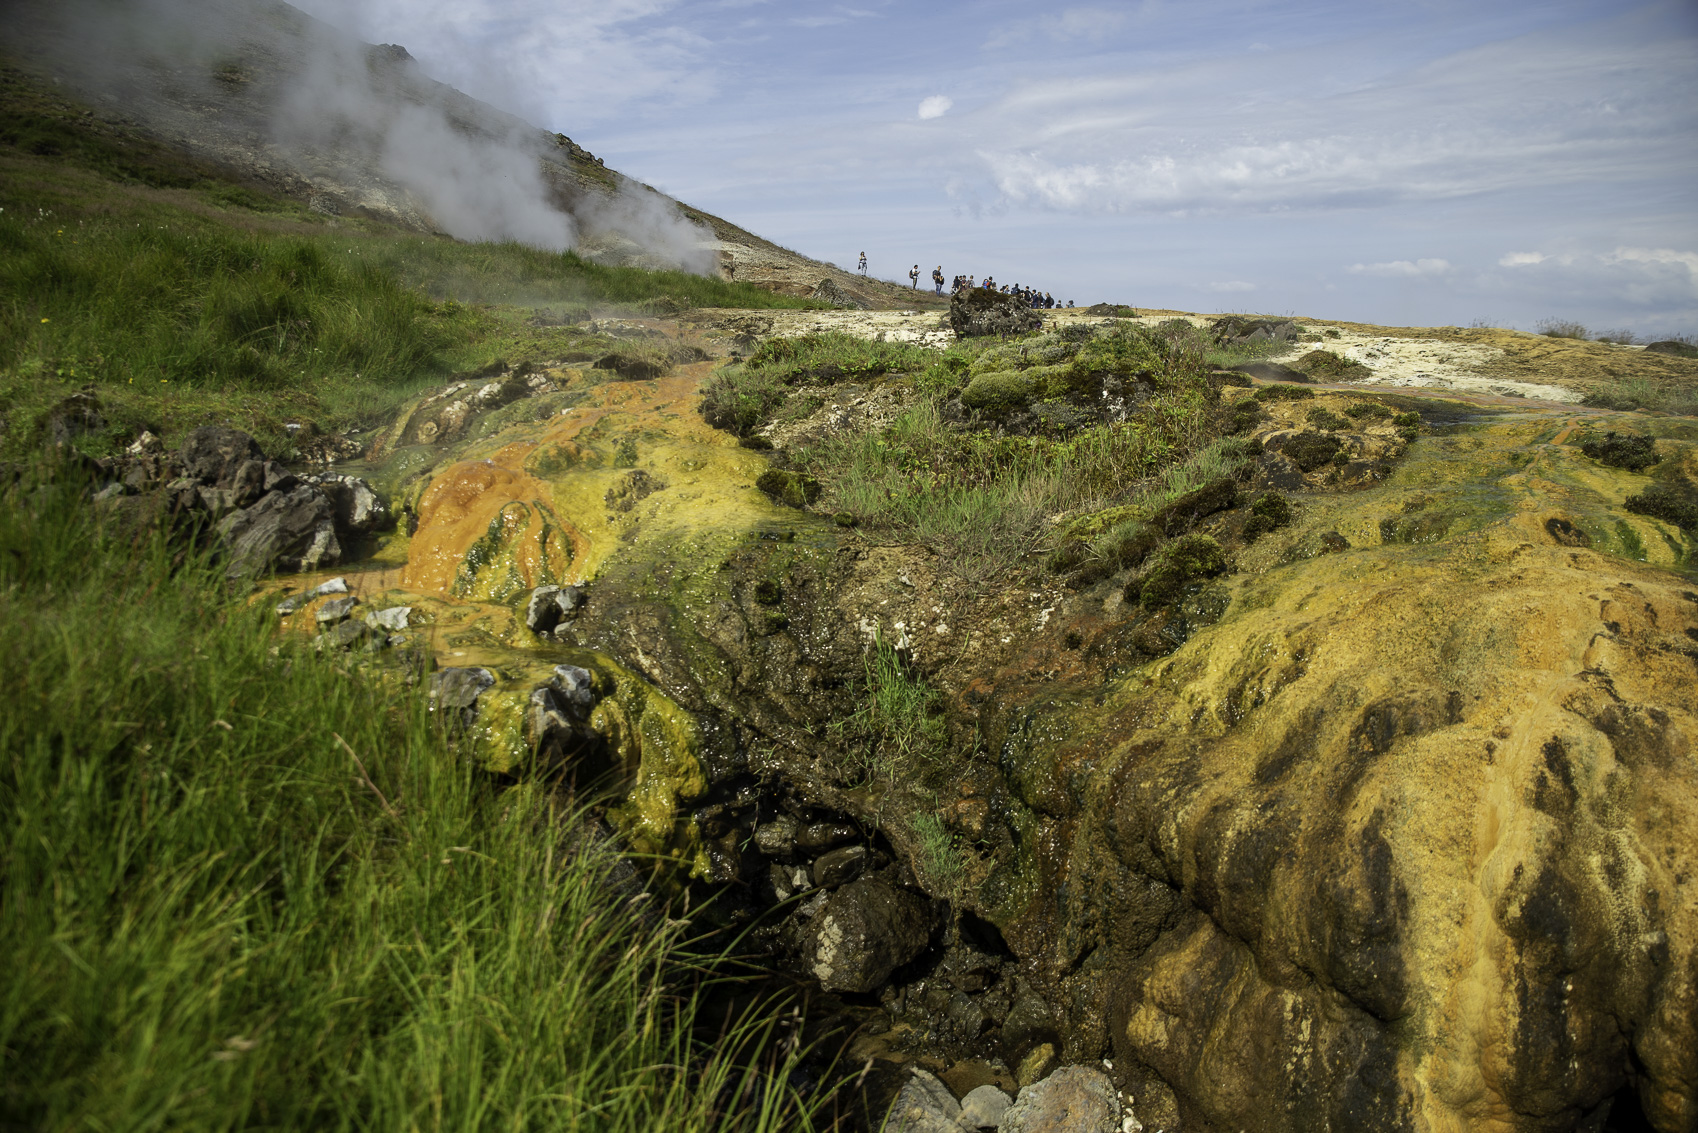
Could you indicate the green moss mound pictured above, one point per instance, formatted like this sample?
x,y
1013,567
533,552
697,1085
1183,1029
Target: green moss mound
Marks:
x,y
1677,505
1269,513
1282,392
1178,565
797,489
1327,366
998,392
1621,450
1311,450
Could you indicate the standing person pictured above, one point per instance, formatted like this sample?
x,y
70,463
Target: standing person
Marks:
x,y
914,278
862,266
937,278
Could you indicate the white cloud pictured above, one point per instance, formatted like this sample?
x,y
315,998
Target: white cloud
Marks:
x,y
936,106
1522,259
1406,268
1232,285
1688,260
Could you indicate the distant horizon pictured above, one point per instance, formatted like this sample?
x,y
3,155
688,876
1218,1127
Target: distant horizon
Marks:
x,y
1417,165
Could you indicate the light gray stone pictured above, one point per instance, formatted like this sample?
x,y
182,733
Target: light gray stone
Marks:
x,y
1075,1099
924,1105
984,1108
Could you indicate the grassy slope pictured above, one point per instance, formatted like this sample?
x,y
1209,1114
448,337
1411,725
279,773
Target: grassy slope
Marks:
x,y
214,915
183,294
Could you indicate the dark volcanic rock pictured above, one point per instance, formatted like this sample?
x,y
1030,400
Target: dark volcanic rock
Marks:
x,y
285,531
976,311
455,692
865,931
1674,347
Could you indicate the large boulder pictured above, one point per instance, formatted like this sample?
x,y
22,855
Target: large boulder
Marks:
x,y
978,311
284,531
214,454
866,930
1075,1099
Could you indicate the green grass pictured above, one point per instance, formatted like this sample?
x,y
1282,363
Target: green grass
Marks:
x,y
242,885
983,499
940,858
1640,393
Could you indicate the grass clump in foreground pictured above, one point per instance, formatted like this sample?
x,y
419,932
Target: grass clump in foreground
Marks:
x,y
215,916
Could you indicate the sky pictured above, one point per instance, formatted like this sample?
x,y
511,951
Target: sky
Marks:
x,y
1419,163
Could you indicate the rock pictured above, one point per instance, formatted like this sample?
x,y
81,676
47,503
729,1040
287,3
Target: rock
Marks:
x,y
357,508
829,292
1241,329
76,416
347,635
217,502
923,1105
213,454
1035,1064
1188,510
336,610
394,618
1075,1099
286,531
1621,450
455,692
278,478
984,1108
549,605
1272,372
576,688
112,491
866,931
777,839
824,835
977,311
247,483
295,601
145,444
840,867
1675,347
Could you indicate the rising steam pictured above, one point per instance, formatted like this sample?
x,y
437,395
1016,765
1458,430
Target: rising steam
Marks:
x,y
262,85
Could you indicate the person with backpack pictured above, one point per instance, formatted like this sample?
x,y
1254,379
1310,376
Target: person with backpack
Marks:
x,y
937,278
862,266
914,278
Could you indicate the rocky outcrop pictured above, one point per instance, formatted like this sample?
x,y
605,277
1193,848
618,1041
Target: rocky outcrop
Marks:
x,y
976,311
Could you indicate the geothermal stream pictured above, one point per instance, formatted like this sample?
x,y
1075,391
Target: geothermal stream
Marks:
x,y
1274,858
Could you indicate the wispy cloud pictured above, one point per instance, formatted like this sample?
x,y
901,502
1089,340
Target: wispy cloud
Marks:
x,y
936,106
1405,268
1232,285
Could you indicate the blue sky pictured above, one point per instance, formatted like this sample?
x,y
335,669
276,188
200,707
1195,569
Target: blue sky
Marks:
x,y
1418,163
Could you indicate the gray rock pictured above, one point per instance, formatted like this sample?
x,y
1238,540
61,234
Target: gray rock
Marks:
x,y
542,612
336,610
112,491
576,688
357,508
455,691
294,602
213,454
866,931
218,502
984,1107
1075,1099
278,478
346,636
247,483
144,444
391,619
284,531
923,1105
828,291
76,415
840,866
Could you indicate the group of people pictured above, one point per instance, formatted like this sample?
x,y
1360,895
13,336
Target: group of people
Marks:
x,y
1041,300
